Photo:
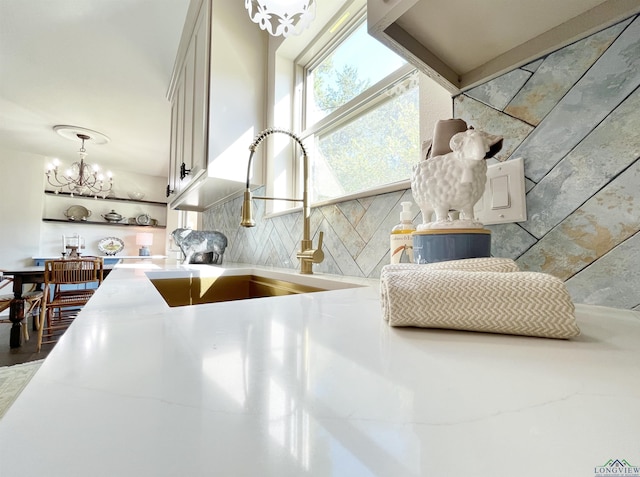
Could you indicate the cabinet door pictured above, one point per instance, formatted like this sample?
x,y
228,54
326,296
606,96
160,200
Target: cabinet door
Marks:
x,y
173,153
188,73
178,104
189,103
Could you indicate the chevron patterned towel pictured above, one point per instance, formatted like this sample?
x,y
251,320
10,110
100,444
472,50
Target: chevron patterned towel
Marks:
x,y
471,298
489,264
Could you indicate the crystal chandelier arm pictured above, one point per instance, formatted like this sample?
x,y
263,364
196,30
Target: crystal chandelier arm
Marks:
x,y
86,179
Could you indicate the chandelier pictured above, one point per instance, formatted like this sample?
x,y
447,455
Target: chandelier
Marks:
x,y
81,178
281,17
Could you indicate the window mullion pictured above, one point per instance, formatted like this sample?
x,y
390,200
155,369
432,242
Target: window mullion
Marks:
x,y
366,100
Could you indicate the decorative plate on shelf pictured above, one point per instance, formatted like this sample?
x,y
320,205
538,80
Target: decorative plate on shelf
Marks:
x,y
143,219
110,245
77,212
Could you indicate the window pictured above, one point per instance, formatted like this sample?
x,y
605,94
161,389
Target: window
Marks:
x,y
361,114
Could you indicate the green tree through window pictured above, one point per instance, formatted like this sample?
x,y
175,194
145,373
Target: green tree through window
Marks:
x,y
379,146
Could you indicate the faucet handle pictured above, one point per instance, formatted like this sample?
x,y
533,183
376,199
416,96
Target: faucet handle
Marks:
x,y
318,254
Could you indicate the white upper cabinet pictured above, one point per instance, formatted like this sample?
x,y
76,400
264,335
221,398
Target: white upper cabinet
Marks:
x,y
217,91
188,93
467,42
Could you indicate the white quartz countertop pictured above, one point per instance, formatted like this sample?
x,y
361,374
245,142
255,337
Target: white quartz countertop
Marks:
x,y
317,385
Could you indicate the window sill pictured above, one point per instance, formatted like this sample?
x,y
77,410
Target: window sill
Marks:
x,y
393,187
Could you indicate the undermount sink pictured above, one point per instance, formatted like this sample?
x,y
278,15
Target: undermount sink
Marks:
x,y
196,290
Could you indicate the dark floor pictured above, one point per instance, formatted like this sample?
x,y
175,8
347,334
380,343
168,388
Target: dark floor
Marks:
x,y
27,352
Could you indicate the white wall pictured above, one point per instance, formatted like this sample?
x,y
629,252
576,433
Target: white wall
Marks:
x,y
20,207
24,235
435,104
237,90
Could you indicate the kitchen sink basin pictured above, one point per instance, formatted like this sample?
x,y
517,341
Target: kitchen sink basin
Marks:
x,y
195,290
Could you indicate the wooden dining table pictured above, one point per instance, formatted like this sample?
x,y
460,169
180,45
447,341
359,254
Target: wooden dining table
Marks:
x,y
33,274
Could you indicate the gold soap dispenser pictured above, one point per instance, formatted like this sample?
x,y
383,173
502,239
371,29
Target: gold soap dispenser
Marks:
x,y
401,240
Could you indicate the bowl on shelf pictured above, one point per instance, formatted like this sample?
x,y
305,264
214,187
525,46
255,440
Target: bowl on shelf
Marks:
x,y
136,195
112,217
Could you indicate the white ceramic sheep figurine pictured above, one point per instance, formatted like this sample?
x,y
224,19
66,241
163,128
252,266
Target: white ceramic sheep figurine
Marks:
x,y
454,181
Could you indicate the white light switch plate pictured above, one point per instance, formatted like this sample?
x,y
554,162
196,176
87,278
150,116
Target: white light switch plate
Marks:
x,y
504,199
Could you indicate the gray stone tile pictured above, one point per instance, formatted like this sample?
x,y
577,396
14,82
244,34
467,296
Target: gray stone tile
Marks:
x,y
613,280
231,254
287,236
377,248
246,236
407,196
292,261
296,224
558,73
607,151
607,219
334,243
315,221
281,240
499,91
262,232
262,238
509,240
353,210
343,228
375,273
366,201
607,83
528,184
487,119
290,224
264,253
533,66
374,253
328,265
376,213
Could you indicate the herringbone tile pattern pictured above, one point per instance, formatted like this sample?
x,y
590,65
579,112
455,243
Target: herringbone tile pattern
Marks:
x,y
356,233
573,117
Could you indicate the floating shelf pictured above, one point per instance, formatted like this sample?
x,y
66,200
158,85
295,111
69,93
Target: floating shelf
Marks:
x,y
115,199
109,224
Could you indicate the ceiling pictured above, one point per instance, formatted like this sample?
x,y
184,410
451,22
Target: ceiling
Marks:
x,y
103,65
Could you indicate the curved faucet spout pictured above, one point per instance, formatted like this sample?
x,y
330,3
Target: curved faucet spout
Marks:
x,y
307,254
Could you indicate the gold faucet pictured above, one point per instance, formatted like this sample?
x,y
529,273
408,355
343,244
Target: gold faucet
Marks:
x,y
307,254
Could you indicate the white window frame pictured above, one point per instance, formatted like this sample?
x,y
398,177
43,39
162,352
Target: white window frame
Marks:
x,y
313,51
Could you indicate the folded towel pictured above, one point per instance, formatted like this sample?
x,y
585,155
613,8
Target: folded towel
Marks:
x,y
468,298
488,264
484,264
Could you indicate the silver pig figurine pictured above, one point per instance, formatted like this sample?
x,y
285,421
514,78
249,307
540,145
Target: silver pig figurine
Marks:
x,y
197,244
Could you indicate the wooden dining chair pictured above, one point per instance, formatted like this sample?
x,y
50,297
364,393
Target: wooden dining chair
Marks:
x,y
69,284
32,300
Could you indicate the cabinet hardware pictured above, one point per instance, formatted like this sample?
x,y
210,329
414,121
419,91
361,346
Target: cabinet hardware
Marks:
x,y
184,172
